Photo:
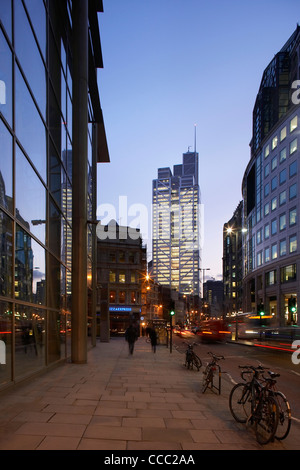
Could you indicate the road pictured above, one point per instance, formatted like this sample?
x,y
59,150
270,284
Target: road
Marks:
x,y
237,354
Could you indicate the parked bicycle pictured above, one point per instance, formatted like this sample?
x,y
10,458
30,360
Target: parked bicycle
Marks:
x,y
251,402
191,358
210,372
285,413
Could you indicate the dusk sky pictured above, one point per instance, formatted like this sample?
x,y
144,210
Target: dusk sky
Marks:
x,y
170,65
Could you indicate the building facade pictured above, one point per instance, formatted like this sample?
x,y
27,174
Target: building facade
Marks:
x,y
233,232
271,192
51,138
121,278
176,226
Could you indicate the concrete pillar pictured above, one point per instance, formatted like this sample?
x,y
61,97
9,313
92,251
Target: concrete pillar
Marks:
x,y
79,184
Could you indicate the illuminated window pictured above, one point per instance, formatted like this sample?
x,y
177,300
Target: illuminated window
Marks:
x,y
293,123
293,146
293,244
283,134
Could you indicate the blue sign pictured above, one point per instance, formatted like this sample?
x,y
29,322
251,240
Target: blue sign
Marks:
x,y
120,309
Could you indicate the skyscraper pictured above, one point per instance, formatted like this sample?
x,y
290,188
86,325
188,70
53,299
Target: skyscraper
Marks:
x,y
176,226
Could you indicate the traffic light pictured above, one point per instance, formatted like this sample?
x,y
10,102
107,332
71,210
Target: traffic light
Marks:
x,y
261,309
292,305
172,307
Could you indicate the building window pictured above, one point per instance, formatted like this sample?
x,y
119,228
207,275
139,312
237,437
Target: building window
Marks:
x,y
274,251
293,244
122,256
122,277
271,278
267,231
282,222
274,163
293,146
132,297
282,247
267,189
293,216
267,170
293,123
282,156
274,204
274,183
293,169
112,257
112,296
283,134
267,209
112,276
282,198
282,176
259,258
267,150
274,227
288,273
122,297
267,254
274,142
293,191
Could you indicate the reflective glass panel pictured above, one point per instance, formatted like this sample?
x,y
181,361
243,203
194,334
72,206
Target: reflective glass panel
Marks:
x,y
5,168
30,323
5,342
29,56
5,79
5,15
30,197
6,255
30,274
30,129
37,13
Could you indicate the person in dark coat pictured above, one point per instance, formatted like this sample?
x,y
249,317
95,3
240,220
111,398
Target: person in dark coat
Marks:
x,y
131,337
153,339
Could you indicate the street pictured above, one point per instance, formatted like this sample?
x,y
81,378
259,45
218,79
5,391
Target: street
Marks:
x,y
237,354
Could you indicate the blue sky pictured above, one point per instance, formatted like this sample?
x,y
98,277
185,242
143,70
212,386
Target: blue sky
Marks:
x,y
171,64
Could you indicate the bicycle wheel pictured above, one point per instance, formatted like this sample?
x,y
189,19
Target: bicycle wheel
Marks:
x,y
207,378
285,416
197,362
240,402
266,420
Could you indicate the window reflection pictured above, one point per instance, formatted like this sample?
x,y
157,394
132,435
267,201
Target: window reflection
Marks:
x,y
5,168
29,56
29,126
30,277
5,16
30,339
6,233
30,197
37,13
5,79
5,341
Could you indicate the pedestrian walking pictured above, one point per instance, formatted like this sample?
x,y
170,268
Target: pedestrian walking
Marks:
x,y
153,339
131,336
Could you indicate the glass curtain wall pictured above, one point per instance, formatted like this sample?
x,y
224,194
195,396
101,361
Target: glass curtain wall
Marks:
x,y
35,185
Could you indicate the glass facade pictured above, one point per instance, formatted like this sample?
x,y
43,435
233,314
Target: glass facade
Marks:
x,y
176,226
36,116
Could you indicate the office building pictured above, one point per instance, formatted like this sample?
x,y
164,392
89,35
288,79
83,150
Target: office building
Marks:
x,y
233,233
271,191
52,136
121,278
176,226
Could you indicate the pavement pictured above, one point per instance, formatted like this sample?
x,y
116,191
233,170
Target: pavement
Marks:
x,y
117,402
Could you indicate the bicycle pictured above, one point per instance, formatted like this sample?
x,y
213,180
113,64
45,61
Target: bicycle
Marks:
x,y
285,413
191,358
251,402
209,374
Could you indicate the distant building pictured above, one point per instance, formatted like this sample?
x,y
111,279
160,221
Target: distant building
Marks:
x,y
121,278
233,233
213,294
176,226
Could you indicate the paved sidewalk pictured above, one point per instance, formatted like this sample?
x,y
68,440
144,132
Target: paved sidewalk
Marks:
x,y
119,402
